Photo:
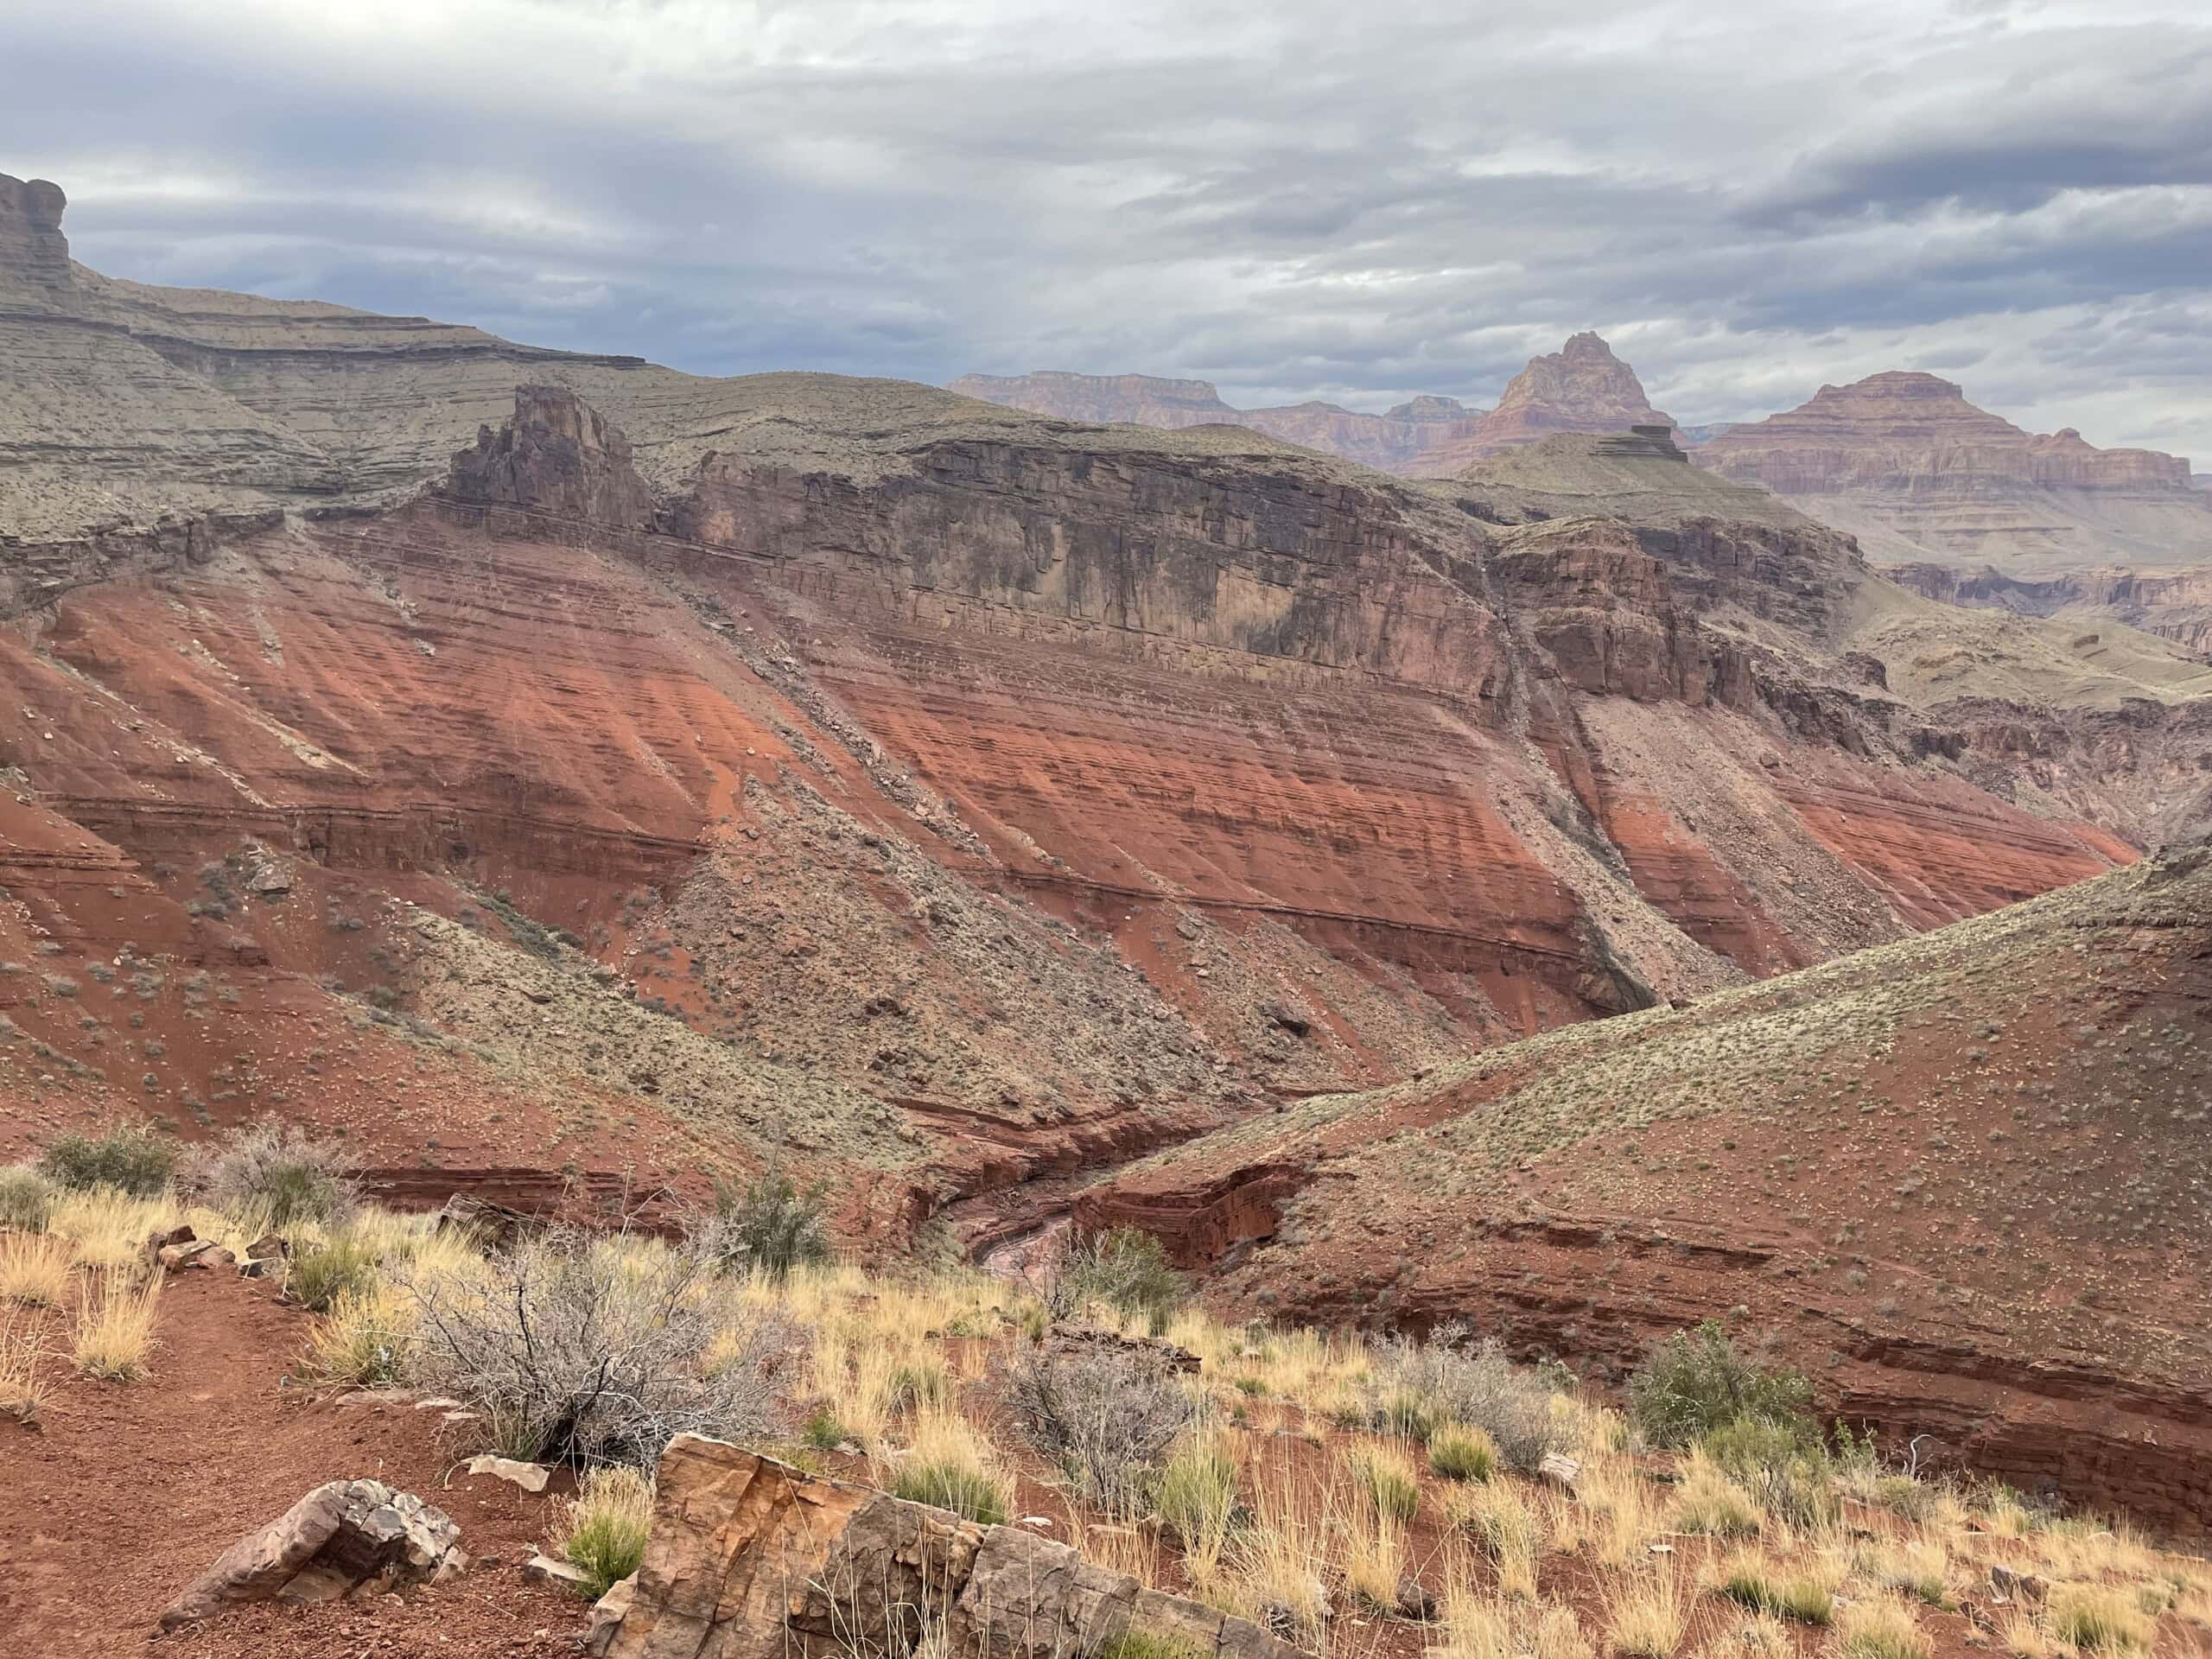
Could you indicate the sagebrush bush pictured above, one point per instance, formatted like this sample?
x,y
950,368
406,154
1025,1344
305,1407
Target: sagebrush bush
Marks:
x,y
1474,1384
594,1350
281,1169
609,1520
1695,1382
27,1198
130,1157
1106,1419
1125,1269
771,1226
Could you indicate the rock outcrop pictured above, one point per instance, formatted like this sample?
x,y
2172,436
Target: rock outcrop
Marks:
x,y
1583,387
555,455
949,796
751,1559
350,1537
1903,460
34,254
1391,441
1910,433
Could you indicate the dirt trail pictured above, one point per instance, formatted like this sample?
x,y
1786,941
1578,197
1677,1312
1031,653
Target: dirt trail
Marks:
x,y
125,1492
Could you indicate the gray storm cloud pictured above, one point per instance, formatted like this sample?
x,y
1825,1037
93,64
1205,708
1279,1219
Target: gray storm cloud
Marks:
x,y
1302,200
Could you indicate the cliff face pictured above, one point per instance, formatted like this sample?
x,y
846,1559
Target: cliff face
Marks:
x,y
946,799
1387,442
2174,605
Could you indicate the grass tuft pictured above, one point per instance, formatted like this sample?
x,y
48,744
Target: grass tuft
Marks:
x,y
608,1522
1457,1452
115,1325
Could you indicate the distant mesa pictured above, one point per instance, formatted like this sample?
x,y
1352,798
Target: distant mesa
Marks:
x,y
1387,442
1908,430
1583,387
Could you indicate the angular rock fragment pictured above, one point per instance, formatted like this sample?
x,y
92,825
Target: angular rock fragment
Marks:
x,y
348,1537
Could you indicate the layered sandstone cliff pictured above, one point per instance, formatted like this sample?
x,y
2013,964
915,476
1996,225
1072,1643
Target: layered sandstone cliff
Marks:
x,y
1919,474
1583,387
2174,605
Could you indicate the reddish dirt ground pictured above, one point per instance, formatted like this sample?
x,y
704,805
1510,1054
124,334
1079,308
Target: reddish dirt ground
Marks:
x,y
125,1492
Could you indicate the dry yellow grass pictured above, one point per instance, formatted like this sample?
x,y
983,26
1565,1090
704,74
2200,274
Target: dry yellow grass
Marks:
x,y
107,1229
115,1325
1646,1611
23,1386
1495,1519
1879,1627
34,1268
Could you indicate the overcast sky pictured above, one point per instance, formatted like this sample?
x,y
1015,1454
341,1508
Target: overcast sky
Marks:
x,y
1290,198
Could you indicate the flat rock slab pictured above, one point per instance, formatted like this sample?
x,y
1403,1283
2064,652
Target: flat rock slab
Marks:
x,y
531,1476
349,1537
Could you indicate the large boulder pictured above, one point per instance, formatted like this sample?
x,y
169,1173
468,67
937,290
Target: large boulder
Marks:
x,y
751,1559
345,1538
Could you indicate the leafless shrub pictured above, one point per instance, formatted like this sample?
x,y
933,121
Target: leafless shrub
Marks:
x,y
598,1349
1476,1384
1106,1419
281,1169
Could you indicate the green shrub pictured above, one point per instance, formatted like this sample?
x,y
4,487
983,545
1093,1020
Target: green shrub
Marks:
x,y
951,1486
1125,1269
772,1226
320,1276
26,1198
127,1156
1457,1452
1783,1464
824,1432
1695,1382
297,1177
